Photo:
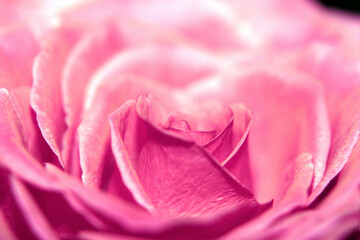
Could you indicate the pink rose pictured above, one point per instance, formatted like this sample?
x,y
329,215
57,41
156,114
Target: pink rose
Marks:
x,y
179,119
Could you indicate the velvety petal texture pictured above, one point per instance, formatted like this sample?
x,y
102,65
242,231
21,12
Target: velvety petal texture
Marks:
x,y
191,185
178,119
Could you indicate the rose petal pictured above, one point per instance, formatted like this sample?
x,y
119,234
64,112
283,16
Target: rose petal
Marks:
x,y
291,118
295,197
139,223
105,94
127,113
346,132
64,211
86,57
195,28
45,94
31,212
6,223
337,218
199,137
35,143
88,54
5,231
13,138
348,178
125,215
16,65
336,215
238,161
206,115
161,62
106,236
15,224
300,179
221,146
206,188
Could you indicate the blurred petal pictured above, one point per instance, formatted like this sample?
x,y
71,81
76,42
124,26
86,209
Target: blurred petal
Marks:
x,y
5,231
15,70
31,212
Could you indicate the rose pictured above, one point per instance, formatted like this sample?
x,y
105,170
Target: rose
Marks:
x,y
139,121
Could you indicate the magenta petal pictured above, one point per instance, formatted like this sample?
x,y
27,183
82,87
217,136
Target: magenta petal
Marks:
x,y
45,95
184,180
6,224
221,146
123,154
109,207
238,161
31,212
95,235
199,137
5,231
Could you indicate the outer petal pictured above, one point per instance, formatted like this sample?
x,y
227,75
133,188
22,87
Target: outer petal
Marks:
x,y
299,182
338,215
31,212
346,131
291,118
33,139
45,95
15,155
137,222
88,55
5,231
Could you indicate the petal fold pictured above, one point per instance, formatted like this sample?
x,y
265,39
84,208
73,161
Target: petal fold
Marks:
x,y
166,173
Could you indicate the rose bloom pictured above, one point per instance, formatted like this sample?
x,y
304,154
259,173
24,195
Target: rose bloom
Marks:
x,y
179,120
